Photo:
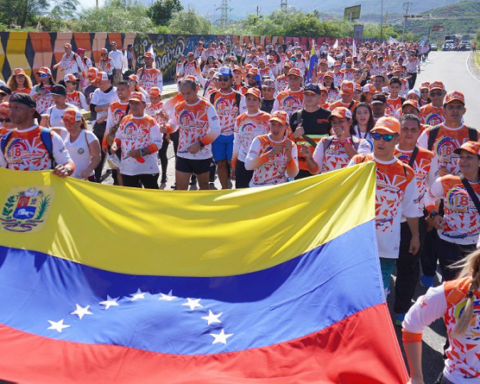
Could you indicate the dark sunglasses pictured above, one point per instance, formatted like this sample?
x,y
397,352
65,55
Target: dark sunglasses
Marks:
x,y
43,75
221,78
5,120
424,91
436,94
268,88
386,137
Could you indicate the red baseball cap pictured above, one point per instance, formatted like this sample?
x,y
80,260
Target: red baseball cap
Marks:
x,y
136,96
413,103
455,95
436,85
254,92
469,146
154,91
294,72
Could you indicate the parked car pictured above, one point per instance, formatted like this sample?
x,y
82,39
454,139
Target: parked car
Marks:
x,y
433,47
449,46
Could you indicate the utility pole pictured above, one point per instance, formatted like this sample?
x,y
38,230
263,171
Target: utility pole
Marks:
x,y
381,21
258,10
284,5
406,5
224,9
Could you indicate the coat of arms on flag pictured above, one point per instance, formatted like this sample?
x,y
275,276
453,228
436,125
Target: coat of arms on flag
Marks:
x,y
26,209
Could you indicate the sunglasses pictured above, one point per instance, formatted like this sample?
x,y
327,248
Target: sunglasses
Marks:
x,y
424,91
268,88
221,78
386,137
436,94
42,75
5,120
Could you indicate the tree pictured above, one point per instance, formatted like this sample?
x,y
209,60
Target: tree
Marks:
x,y
23,12
189,22
116,17
64,9
162,11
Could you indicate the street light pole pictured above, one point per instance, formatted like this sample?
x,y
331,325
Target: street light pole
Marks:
x,y
381,21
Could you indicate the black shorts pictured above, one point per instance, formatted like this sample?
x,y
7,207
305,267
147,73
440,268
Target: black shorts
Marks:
x,y
192,166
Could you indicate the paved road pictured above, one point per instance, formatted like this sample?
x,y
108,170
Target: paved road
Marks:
x,y
457,71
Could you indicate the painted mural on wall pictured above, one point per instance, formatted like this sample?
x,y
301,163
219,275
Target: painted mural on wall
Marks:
x,y
33,50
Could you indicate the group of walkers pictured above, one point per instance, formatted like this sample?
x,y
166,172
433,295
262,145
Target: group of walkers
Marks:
x,y
259,116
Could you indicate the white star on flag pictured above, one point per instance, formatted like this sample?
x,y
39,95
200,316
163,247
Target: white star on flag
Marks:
x,y
110,302
211,318
193,303
220,337
138,295
80,312
168,297
57,325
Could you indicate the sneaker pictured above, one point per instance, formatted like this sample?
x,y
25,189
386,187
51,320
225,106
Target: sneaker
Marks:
x,y
426,281
399,318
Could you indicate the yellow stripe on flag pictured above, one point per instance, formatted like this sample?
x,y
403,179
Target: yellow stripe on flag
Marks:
x,y
192,233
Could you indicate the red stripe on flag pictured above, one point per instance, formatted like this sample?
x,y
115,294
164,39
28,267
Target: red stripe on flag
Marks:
x,y
360,349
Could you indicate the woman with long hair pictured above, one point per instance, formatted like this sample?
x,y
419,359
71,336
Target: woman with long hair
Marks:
x,y
363,122
19,82
457,301
333,94
41,93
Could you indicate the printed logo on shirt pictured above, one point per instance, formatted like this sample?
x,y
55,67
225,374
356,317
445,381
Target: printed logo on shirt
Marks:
x,y
459,200
26,209
434,119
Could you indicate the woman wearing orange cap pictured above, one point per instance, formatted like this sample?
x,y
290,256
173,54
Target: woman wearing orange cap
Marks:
x,y
83,145
41,93
459,228
134,85
5,122
74,97
19,82
248,125
333,94
273,157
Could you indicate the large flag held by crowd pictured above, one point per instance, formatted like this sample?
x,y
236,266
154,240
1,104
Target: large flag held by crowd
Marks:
x,y
122,285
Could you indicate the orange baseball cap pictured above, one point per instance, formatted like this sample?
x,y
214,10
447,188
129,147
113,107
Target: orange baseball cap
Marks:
x,y
469,146
136,96
103,51
148,55
436,85
280,116
369,88
71,115
425,85
18,72
154,91
323,61
413,103
133,77
347,87
237,68
287,65
101,76
328,74
92,73
5,109
388,124
44,71
294,72
70,77
254,92
341,112
455,95
190,54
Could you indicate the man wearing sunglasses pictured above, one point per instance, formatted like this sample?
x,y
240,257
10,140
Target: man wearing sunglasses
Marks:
x,y
433,113
229,104
396,195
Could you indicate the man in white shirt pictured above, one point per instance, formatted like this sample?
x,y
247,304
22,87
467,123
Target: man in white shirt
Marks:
x,y
117,57
103,96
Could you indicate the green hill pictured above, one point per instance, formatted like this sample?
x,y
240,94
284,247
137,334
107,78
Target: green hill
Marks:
x,y
451,19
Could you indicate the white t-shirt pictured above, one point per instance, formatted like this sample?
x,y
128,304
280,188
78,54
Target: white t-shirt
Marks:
x,y
101,99
55,115
80,152
117,57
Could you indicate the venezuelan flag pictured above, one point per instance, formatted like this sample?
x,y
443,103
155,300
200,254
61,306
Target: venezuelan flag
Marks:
x,y
279,285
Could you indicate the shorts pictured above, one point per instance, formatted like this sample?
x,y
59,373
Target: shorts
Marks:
x,y
222,148
192,166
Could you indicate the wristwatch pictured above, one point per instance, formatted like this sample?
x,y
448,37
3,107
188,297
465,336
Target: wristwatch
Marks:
x,y
201,144
142,152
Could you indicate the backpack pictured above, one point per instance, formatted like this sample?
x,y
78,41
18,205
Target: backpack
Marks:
x,y
45,136
432,136
238,99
